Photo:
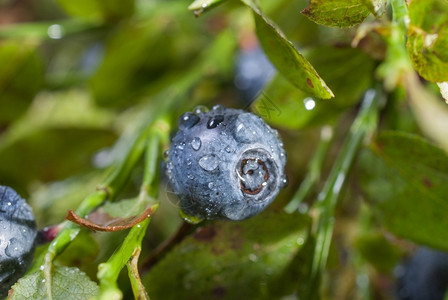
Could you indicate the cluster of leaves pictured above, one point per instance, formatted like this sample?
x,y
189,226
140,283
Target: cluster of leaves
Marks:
x,y
90,90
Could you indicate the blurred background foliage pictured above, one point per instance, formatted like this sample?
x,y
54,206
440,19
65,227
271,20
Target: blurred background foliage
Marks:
x,y
79,78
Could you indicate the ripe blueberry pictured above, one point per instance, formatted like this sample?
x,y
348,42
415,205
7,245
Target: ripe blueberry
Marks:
x,y
17,235
225,164
425,276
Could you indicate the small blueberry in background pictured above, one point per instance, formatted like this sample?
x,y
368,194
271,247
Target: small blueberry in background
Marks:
x,y
17,238
225,164
424,277
253,70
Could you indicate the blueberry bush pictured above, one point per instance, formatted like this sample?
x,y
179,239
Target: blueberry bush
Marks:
x,y
90,96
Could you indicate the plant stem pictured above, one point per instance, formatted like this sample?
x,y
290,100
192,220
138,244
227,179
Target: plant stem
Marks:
x,y
364,123
108,272
314,170
400,14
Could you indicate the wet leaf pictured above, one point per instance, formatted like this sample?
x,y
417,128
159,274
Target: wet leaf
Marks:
x,y
281,104
286,58
409,198
200,6
21,77
260,258
67,283
427,43
339,13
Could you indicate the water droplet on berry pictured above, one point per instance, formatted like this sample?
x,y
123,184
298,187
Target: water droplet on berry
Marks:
x,y
14,248
181,146
228,149
245,129
209,162
200,109
196,143
188,218
188,120
284,182
218,107
214,121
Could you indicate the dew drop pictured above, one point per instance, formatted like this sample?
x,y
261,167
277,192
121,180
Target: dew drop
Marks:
x,y
228,149
253,257
211,185
55,31
214,121
209,162
309,103
196,143
188,120
181,146
14,248
200,109
166,154
246,130
218,107
284,182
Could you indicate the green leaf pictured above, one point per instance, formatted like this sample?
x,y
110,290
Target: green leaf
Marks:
x,y
338,13
81,252
281,104
259,258
427,43
201,6
286,58
67,283
52,153
378,251
21,77
99,9
57,137
142,57
405,180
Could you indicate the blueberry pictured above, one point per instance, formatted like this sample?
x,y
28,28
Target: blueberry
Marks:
x,y
253,70
425,276
225,164
17,238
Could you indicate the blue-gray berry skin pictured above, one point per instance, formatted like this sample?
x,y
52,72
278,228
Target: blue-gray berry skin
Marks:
x,y
225,164
425,276
17,235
